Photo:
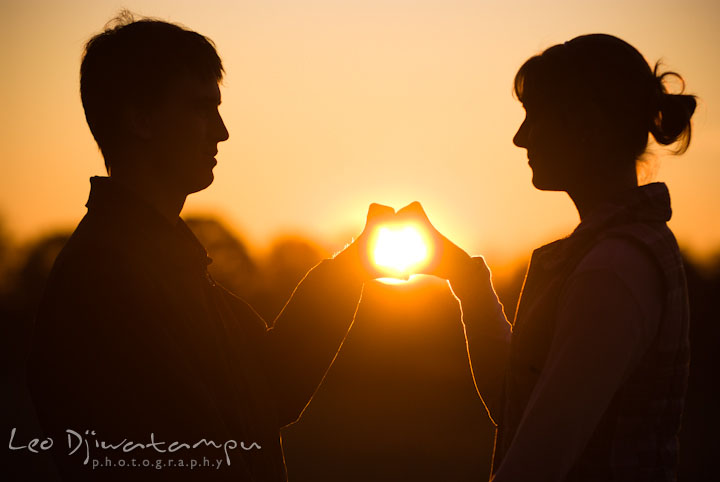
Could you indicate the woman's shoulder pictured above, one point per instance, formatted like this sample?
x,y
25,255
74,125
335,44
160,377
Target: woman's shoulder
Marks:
x,y
619,253
641,248
629,263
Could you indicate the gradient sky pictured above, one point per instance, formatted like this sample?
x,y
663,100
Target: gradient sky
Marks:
x,y
335,104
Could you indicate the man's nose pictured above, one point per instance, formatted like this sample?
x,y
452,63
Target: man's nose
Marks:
x,y
521,136
221,131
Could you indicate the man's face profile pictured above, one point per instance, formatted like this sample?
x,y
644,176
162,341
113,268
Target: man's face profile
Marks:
x,y
184,131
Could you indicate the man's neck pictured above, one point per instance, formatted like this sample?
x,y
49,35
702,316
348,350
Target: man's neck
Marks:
x,y
166,202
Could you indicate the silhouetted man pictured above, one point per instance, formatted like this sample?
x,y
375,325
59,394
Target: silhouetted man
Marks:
x,y
141,363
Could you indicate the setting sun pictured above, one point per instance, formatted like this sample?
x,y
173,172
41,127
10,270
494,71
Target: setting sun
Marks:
x,y
400,250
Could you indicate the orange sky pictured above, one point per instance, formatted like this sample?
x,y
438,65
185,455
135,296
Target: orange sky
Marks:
x,y
332,105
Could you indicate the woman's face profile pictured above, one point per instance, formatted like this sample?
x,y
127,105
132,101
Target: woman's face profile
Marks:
x,y
552,146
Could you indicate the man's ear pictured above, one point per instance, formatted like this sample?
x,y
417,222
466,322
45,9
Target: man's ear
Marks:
x,y
138,121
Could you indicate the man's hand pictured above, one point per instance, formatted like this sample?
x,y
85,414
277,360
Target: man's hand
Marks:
x,y
356,256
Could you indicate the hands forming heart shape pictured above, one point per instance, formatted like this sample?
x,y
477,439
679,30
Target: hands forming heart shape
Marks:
x,y
400,249
397,245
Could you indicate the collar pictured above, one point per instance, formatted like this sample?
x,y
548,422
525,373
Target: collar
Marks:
x,y
643,204
135,218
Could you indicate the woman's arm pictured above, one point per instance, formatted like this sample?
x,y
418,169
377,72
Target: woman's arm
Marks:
x,y
487,331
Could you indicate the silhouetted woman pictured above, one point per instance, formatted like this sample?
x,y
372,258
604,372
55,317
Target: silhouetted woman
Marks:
x,y
589,383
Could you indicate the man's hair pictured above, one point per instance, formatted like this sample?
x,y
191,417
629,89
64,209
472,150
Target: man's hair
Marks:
x,y
130,64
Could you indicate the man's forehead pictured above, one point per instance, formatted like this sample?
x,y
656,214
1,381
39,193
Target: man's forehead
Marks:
x,y
196,88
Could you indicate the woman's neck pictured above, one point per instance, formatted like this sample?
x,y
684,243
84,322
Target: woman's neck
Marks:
x,y
596,190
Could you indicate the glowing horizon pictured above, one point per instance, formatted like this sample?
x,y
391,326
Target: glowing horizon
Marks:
x,y
320,97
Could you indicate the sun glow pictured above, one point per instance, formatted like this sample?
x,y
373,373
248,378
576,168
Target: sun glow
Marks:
x,y
400,251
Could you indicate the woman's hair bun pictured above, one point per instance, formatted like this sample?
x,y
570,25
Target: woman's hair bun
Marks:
x,y
671,121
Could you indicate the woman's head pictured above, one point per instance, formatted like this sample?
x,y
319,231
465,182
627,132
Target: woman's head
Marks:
x,y
590,104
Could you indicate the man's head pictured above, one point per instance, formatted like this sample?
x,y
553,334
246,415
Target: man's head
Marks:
x,y
150,93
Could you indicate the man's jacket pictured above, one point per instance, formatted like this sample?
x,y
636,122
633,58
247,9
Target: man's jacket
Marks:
x,y
136,344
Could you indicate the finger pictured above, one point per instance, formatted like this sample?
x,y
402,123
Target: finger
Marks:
x,y
413,209
414,206
414,212
378,212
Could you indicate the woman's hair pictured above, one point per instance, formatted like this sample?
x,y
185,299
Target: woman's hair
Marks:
x,y
605,86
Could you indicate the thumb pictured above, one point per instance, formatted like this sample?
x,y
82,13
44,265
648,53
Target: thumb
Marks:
x,y
378,213
414,212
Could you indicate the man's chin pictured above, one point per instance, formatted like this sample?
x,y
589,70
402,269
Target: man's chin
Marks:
x,y
198,184
537,182
544,185
550,180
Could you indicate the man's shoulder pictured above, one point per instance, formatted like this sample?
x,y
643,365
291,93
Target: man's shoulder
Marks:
x,y
97,253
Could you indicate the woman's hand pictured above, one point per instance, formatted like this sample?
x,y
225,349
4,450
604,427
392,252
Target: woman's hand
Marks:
x,y
449,261
469,277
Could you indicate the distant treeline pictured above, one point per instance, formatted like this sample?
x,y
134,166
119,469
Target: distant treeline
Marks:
x,y
399,403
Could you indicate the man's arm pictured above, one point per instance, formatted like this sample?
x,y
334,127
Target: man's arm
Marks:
x,y
307,334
